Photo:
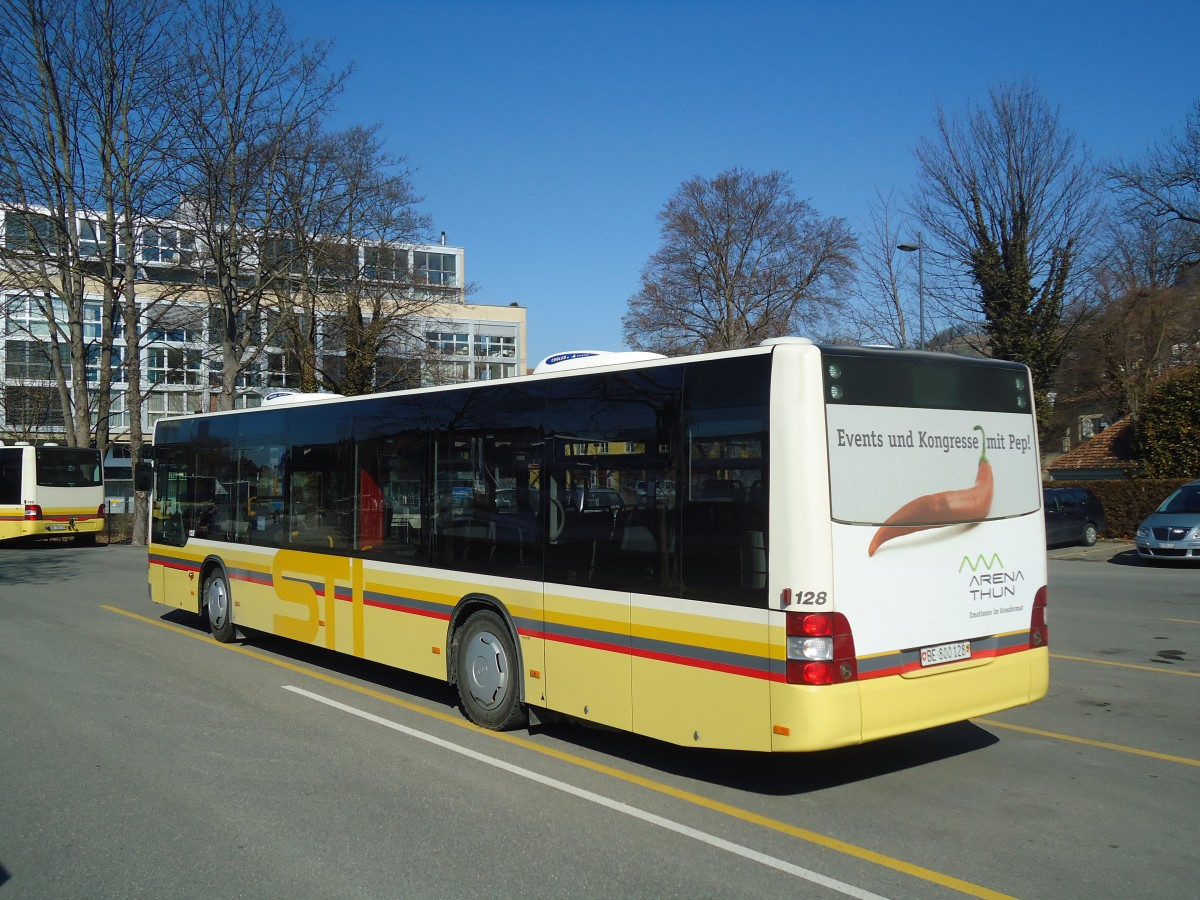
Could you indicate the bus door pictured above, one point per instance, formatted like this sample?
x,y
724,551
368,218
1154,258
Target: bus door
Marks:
x,y
611,495
588,663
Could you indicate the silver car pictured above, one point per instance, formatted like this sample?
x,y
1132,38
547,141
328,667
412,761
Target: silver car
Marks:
x,y
1172,532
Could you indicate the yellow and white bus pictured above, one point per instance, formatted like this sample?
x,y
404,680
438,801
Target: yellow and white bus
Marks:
x,y
50,491
791,547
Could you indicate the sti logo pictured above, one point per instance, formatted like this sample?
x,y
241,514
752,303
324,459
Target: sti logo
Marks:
x,y
981,562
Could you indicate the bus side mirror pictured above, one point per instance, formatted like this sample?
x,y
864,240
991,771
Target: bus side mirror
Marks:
x,y
143,476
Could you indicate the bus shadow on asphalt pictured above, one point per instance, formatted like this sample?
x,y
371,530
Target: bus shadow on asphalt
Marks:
x,y
780,774
323,661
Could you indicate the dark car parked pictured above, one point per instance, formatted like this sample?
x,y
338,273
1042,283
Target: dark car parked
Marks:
x,y
1073,516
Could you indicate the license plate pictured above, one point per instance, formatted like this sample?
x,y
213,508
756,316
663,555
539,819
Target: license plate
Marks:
x,y
944,653
56,527
1166,545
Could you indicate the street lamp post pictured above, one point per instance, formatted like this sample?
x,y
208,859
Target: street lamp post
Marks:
x,y
919,246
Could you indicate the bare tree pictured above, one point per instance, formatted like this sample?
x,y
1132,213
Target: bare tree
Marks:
x,y
43,178
1010,199
132,140
29,408
741,259
249,88
1166,184
883,313
1149,316
348,221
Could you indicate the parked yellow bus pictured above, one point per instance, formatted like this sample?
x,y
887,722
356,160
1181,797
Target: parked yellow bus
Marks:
x,y
792,547
51,491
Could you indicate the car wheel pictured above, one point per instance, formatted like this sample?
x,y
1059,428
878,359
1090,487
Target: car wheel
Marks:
x,y
1089,535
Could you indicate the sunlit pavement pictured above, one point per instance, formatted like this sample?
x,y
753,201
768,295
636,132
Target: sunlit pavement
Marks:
x,y
1103,551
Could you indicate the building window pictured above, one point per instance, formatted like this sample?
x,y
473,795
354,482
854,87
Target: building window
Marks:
x,y
27,408
449,343
281,370
92,323
435,268
495,345
118,414
117,367
335,262
247,377
172,365
447,372
280,255
169,246
167,403
491,371
24,314
386,264
177,325
31,232
94,239
30,360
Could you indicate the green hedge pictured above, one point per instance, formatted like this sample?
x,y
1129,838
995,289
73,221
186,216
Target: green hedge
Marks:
x,y
1127,501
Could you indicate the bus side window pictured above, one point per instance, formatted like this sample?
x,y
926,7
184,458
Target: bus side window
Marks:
x,y
317,497
725,513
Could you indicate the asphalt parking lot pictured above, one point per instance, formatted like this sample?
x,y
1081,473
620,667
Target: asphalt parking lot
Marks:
x,y
1118,552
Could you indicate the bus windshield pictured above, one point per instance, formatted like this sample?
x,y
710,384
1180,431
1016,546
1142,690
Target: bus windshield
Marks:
x,y
68,467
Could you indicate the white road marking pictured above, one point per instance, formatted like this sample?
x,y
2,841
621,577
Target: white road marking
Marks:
x,y
712,840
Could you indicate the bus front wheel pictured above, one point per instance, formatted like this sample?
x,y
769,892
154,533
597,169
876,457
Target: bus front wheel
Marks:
x,y
486,675
218,608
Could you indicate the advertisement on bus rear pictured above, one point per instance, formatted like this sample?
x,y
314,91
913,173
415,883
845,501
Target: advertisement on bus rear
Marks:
x,y
937,523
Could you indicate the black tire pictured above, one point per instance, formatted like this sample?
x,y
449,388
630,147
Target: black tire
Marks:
x,y
486,674
217,606
1089,534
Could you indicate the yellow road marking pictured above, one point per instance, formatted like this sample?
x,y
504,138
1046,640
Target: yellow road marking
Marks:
x,y
1120,665
812,837
1120,748
1186,621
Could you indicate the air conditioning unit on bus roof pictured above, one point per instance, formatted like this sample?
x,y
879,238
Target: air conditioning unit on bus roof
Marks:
x,y
286,395
586,359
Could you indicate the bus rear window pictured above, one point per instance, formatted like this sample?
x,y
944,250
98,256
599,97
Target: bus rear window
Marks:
x,y
879,378
68,467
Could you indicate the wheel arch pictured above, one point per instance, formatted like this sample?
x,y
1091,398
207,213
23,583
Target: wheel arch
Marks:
x,y
463,610
210,562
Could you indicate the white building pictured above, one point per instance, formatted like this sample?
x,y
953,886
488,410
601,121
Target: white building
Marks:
x,y
448,338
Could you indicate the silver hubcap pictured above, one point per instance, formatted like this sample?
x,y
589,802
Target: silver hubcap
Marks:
x,y
487,670
217,602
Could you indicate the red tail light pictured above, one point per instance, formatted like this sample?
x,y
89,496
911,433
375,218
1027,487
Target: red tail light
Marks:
x,y
1039,631
820,649
33,512
100,511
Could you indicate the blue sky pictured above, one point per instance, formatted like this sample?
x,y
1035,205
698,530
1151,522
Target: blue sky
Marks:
x,y
545,137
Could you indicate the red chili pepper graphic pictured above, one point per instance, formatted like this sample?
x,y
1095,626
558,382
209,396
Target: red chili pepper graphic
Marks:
x,y
945,508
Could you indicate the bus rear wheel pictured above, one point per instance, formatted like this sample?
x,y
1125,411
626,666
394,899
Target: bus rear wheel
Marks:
x,y
217,606
486,675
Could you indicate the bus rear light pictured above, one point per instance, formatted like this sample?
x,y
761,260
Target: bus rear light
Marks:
x,y
1039,631
100,511
33,512
820,649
